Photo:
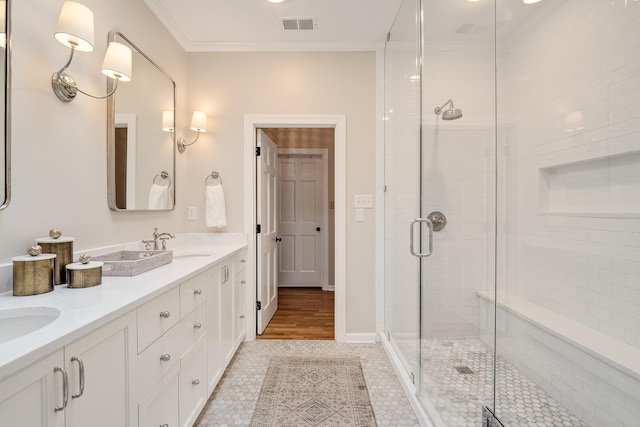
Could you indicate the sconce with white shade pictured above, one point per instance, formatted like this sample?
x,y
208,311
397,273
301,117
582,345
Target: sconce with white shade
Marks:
x,y
75,30
198,124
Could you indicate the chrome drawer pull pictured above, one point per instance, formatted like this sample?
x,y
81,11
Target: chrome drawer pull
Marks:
x,y
197,325
242,316
65,389
197,292
243,281
243,260
165,314
164,425
165,357
81,372
195,382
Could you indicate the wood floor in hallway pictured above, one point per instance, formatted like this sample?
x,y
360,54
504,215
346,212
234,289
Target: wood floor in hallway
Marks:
x,y
303,314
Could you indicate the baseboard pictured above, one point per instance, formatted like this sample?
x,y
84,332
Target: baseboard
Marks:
x,y
367,337
407,386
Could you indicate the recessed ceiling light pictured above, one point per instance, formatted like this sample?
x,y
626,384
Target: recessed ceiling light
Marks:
x,y
275,1
472,1
531,1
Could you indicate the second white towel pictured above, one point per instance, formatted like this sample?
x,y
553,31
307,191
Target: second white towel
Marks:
x,y
215,215
159,197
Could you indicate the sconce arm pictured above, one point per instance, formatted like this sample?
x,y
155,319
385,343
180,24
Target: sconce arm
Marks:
x,y
182,144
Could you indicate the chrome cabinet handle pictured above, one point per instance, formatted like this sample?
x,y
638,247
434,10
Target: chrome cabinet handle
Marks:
x,y
65,389
243,281
165,357
165,314
81,372
195,382
197,325
243,260
411,245
242,316
197,292
164,425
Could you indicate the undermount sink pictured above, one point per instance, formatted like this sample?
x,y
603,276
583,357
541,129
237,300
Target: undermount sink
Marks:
x,y
191,254
132,263
18,322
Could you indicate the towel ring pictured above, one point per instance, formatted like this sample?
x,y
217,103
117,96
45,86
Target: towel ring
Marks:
x,y
213,176
162,175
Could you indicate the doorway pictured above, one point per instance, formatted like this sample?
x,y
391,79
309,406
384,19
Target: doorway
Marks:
x,y
301,233
337,124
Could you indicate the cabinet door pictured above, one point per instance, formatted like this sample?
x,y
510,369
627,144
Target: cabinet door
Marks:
x,y
193,384
214,356
98,366
29,397
160,406
240,304
226,315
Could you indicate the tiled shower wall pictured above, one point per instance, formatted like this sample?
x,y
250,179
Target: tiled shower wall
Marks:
x,y
569,107
569,185
458,170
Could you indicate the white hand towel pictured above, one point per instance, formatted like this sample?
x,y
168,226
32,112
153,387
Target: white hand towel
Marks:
x,y
214,206
159,197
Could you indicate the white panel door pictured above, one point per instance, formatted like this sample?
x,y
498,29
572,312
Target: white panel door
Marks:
x,y
301,219
267,246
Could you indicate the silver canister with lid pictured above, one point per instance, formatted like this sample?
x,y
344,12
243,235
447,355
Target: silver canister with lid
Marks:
x,y
33,274
60,246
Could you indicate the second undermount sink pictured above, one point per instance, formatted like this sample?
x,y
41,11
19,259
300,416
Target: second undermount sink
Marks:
x,y
18,322
132,263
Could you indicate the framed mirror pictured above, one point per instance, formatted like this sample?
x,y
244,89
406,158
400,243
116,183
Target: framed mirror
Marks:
x,y
141,155
5,103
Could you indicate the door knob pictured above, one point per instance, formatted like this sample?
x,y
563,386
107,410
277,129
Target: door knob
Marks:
x,y
317,228
278,239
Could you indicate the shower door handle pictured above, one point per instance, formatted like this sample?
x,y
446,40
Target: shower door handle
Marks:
x,y
411,240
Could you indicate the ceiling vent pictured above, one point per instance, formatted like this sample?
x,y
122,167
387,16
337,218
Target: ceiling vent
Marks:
x,y
298,23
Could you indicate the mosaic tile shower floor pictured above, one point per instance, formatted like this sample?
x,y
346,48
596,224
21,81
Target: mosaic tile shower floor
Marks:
x,y
458,397
234,399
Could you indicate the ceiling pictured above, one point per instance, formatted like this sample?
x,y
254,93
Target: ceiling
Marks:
x,y
244,25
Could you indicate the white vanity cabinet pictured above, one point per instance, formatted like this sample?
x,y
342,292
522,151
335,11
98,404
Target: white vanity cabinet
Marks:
x,y
239,297
85,383
171,376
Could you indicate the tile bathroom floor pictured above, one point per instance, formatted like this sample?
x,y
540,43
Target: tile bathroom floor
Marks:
x,y
458,397
234,399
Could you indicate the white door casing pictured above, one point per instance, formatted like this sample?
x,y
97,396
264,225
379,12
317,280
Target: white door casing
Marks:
x,y
267,177
303,223
338,122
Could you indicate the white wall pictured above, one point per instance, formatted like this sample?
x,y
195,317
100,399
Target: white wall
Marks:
x,y
228,85
59,150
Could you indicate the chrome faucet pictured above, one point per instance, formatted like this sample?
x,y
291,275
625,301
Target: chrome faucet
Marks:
x,y
163,237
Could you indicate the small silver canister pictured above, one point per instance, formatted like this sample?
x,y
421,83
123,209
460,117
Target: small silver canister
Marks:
x,y
33,275
84,275
63,248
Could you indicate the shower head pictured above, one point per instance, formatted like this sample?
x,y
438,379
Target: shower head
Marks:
x,y
450,114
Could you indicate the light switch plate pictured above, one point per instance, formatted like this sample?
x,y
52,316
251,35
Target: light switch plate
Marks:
x,y
363,201
359,215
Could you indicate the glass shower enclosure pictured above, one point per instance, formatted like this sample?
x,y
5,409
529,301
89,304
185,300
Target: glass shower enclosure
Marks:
x,y
512,210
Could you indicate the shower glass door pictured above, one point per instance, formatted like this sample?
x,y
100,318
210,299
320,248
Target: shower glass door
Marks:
x,y
458,194
402,180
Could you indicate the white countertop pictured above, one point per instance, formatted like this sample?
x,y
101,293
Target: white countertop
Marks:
x,y
86,309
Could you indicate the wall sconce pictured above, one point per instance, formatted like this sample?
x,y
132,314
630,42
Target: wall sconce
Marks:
x,y
75,30
198,124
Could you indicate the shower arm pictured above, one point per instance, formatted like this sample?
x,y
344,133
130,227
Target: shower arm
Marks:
x,y
438,110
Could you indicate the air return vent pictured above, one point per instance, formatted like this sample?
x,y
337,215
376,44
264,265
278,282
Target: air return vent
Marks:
x,y
298,23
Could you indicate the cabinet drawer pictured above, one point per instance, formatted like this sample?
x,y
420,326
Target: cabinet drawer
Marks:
x,y
157,316
163,354
160,406
240,262
193,383
193,293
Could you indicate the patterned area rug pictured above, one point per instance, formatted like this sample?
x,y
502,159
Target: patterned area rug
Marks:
x,y
309,391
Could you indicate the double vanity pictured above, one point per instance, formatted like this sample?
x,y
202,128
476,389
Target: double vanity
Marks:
x,y
145,350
